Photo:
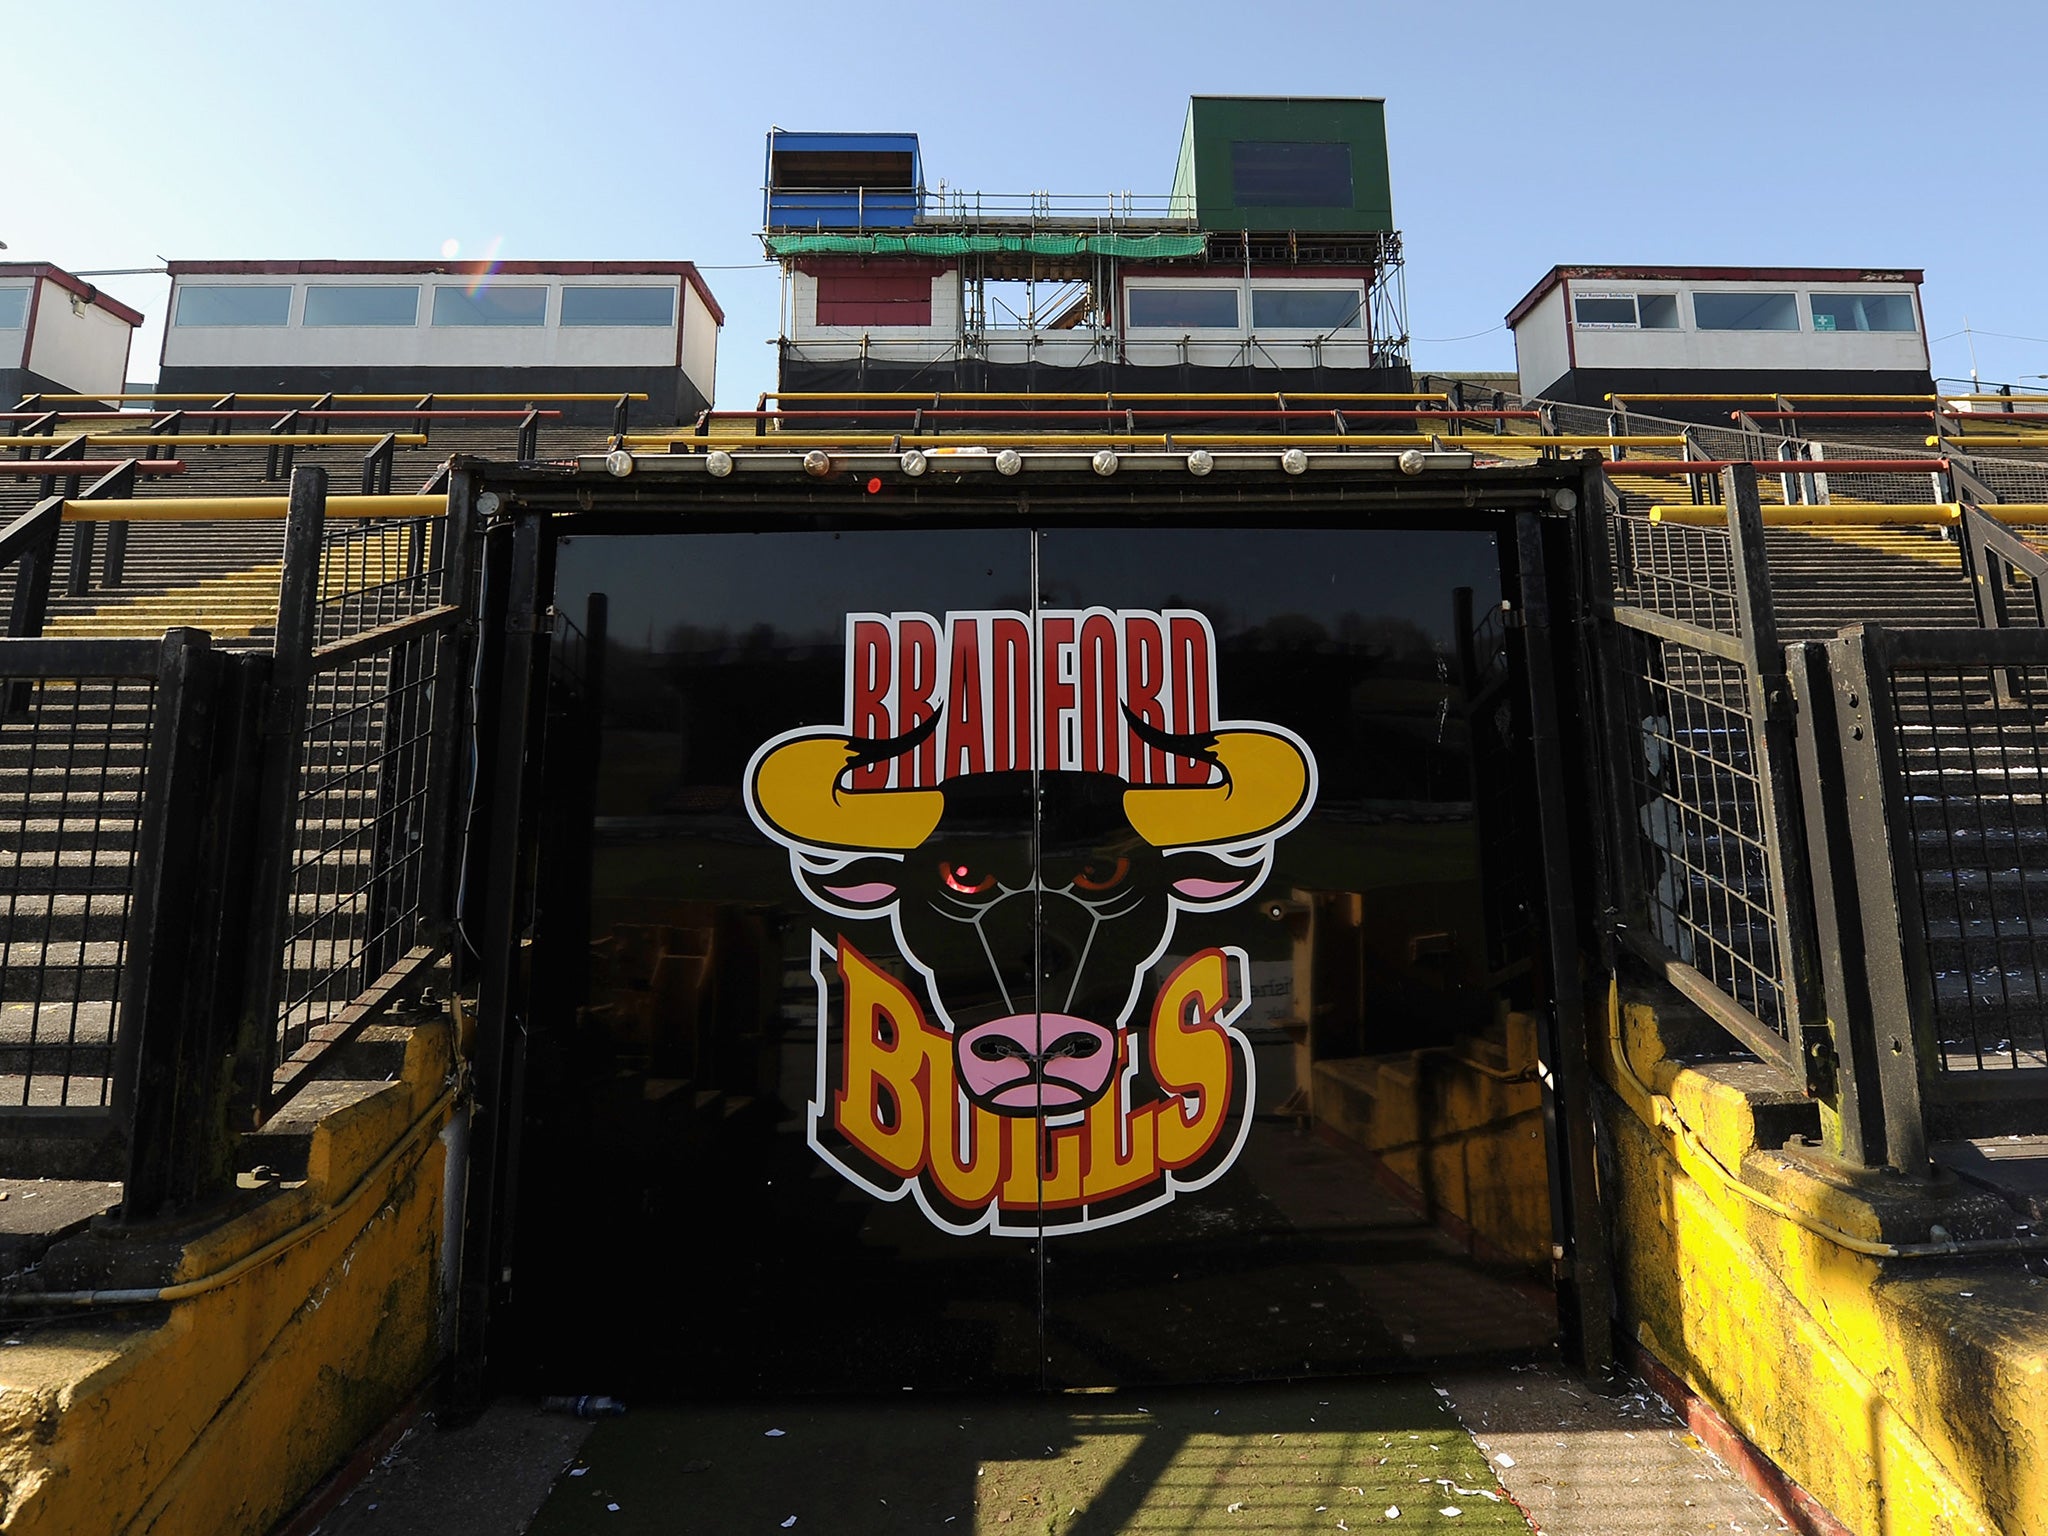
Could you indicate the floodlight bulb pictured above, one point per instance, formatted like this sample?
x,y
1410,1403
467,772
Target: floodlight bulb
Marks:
x,y
818,463
1104,462
1009,461
1294,461
913,462
1201,461
618,462
1564,498
488,503
1411,461
718,463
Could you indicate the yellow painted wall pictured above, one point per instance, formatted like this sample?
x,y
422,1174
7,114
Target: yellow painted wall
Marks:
x,y
219,1413
1910,1396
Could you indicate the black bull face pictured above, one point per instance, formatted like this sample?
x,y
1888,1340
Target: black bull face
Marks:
x,y
1033,903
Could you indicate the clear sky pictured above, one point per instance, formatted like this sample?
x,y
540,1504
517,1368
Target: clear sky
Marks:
x,y
1522,135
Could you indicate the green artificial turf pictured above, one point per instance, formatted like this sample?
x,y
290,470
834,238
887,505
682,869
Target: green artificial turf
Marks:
x,y
1304,1458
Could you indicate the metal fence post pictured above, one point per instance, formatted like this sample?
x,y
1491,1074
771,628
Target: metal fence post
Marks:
x,y
30,543
1866,812
177,1046
283,748
1841,1063
1772,743
493,1140
453,653
1566,1064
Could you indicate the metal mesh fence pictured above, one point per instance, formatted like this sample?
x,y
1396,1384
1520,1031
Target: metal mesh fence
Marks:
x,y
1696,801
73,759
375,573
358,860
1677,571
1973,765
359,838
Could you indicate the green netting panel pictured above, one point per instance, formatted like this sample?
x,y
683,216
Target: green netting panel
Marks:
x,y
961,245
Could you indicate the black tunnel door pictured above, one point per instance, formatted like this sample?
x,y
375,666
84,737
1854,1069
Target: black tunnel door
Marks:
x,y
1326,1076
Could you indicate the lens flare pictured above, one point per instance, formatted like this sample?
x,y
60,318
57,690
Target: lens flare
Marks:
x,y
487,264
450,248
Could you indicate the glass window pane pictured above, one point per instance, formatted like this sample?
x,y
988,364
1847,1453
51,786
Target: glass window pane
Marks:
x,y
336,304
1657,311
1745,312
13,308
491,306
1307,309
618,306
1604,311
1197,309
1862,312
240,304
1284,174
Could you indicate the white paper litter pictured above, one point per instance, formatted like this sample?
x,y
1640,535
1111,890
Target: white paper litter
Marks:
x,y
1451,1510
1235,1509
1504,1459
789,1522
578,1471
772,1434
1393,1511
613,1508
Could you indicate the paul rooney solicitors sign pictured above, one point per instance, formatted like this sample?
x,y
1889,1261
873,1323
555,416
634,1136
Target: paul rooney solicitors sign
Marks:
x,y
1002,836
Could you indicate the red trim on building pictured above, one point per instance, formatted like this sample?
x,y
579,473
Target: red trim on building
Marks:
x,y
1763,1477
920,266
683,269
1571,330
1557,275
70,284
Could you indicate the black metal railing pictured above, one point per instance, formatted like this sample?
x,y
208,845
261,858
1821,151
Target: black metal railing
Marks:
x,y
1838,849
1710,873
215,867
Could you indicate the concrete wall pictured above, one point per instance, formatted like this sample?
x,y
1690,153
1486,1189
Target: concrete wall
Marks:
x,y
313,1317
1907,1395
700,346
1542,354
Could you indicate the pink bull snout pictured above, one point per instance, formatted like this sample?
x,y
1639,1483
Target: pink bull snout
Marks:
x,y
1030,1062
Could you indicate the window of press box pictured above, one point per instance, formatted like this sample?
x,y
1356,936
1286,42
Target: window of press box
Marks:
x,y
618,306
1862,311
491,306
1626,311
234,304
1657,311
1267,173
1604,309
1745,311
1185,309
13,308
370,304
1307,309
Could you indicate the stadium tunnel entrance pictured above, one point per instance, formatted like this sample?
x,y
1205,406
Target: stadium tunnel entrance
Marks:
x,y
976,932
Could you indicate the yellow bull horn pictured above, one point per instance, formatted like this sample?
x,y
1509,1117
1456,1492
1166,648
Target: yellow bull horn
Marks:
x,y
796,791
1265,782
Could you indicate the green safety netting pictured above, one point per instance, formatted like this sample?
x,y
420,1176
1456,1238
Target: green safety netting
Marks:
x,y
960,245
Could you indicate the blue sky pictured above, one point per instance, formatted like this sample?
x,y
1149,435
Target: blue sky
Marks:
x,y
1521,135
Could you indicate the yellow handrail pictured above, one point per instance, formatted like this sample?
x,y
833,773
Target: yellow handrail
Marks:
x,y
1992,440
246,439
1837,513
1731,399
230,509
272,399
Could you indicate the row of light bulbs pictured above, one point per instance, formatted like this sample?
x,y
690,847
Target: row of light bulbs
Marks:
x,y
1008,461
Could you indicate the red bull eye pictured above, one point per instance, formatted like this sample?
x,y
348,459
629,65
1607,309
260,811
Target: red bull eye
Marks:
x,y
875,485
1102,875
961,878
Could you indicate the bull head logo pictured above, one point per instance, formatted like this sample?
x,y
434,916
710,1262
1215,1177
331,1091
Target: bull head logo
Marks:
x,y
1035,897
